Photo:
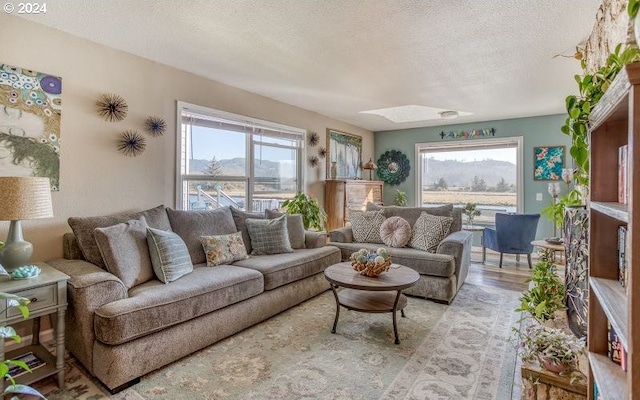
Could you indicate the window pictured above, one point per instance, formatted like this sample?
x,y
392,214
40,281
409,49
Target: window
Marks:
x,y
483,171
231,160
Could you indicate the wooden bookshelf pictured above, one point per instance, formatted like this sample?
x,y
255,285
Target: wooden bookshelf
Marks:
x,y
614,122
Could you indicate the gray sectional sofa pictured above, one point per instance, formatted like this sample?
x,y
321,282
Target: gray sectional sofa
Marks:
x,y
441,273
120,335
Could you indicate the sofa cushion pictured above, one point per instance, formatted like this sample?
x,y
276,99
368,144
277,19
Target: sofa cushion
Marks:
x,y
83,228
169,255
269,236
223,249
125,251
295,227
366,226
411,214
424,263
282,269
154,306
395,232
239,218
190,225
429,231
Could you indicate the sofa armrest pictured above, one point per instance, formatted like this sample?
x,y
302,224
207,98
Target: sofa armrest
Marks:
x,y
314,240
341,235
458,245
88,288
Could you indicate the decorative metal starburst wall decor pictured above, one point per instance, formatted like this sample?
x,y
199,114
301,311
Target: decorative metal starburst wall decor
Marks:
x,y
322,152
314,139
131,143
313,161
155,126
112,107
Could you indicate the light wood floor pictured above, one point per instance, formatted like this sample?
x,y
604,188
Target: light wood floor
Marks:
x,y
511,276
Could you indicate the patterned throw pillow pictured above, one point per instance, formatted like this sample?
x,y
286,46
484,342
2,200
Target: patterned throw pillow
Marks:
x,y
269,236
223,249
169,255
366,226
295,227
395,232
429,231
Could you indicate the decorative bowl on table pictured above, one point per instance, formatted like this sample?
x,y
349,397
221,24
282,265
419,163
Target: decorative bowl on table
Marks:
x,y
369,263
554,240
25,272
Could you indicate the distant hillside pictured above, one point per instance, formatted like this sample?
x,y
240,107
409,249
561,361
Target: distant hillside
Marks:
x,y
459,173
236,167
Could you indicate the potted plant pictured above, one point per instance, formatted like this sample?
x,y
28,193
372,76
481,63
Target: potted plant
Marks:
x,y
401,198
471,212
547,295
313,216
555,350
7,332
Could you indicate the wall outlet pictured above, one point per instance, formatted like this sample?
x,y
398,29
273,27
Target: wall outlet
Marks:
x,y
538,196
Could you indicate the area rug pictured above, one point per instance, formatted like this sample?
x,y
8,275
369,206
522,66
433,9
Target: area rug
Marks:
x,y
458,351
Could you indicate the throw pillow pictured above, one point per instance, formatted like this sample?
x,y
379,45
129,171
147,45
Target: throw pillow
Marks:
x,y
169,255
223,249
190,225
83,229
395,232
239,218
429,231
366,226
411,214
295,227
125,251
269,236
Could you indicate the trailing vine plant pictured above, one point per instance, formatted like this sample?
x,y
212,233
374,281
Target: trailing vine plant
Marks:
x,y
591,88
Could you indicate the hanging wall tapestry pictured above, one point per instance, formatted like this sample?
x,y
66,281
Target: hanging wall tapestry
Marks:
x,y
30,108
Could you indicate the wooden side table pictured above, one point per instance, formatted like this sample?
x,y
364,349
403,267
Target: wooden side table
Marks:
x,y
48,295
543,244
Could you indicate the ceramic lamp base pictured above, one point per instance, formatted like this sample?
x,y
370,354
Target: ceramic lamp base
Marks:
x,y
16,252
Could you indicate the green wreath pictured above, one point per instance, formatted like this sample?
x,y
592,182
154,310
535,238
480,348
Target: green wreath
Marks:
x,y
393,167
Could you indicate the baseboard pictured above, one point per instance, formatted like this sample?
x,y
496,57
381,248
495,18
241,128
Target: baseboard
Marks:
x,y
45,336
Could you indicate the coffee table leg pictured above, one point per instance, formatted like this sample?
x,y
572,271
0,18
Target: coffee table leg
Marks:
x,y
335,294
395,310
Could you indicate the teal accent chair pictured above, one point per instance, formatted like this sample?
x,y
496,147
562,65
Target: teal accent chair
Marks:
x,y
513,234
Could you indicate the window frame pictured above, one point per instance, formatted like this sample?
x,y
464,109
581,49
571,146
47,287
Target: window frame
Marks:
x,y
249,179
472,144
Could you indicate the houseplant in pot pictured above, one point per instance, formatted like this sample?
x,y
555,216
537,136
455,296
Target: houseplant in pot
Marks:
x,y
313,216
555,350
547,295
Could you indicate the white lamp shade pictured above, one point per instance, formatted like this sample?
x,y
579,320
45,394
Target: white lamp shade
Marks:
x,y
25,198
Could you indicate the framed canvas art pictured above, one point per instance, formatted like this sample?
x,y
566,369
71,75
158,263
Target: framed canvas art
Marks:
x,y
548,162
345,150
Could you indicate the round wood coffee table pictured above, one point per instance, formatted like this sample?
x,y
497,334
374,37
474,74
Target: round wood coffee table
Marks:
x,y
373,295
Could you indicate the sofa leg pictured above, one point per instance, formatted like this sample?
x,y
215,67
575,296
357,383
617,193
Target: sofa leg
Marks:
x,y
529,260
124,386
500,260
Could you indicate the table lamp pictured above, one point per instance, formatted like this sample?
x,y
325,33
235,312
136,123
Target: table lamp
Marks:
x,y
370,165
21,198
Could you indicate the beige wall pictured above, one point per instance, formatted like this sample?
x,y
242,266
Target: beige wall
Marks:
x,y
95,179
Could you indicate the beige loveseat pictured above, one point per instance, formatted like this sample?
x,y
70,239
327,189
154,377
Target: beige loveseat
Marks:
x,y
441,273
120,335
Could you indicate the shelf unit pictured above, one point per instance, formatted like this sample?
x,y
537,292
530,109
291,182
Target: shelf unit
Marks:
x,y
614,122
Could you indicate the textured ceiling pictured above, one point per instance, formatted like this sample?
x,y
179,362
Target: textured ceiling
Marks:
x,y
493,58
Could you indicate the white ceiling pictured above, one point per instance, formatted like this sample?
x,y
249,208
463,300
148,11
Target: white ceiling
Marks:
x,y
493,58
